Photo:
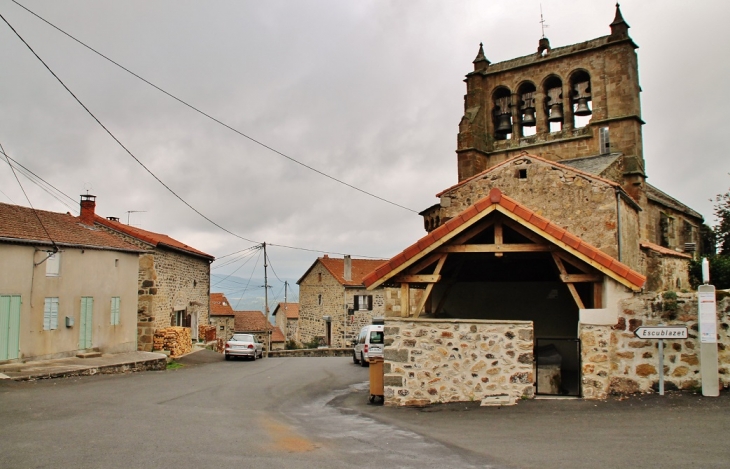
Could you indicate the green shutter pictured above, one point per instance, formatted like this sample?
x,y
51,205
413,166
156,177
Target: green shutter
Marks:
x,y
87,309
9,327
115,310
50,314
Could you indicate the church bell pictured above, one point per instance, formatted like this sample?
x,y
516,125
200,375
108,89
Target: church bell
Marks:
x,y
528,110
582,108
556,113
504,125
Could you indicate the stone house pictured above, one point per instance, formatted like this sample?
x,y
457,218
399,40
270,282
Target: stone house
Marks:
x,y
222,316
333,302
286,316
551,249
66,287
173,281
254,322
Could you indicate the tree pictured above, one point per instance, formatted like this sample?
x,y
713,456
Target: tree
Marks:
x,y
722,229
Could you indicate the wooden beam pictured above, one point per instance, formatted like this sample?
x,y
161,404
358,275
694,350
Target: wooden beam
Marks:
x,y
577,263
576,296
472,232
534,237
465,248
598,295
427,294
498,238
417,278
405,300
578,278
422,264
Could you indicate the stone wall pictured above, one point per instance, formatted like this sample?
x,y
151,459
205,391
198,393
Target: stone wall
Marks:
x,y
393,302
615,361
312,352
665,272
224,326
335,300
584,206
431,361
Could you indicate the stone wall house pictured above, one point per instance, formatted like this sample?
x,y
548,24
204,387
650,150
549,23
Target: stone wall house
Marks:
x,y
334,303
222,316
173,280
551,227
286,316
254,322
66,287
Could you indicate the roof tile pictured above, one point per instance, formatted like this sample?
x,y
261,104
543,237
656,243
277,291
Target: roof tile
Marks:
x,y
411,251
635,278
604,259
539,221
359,268
587,250
469,213
290,309
619,268
555,231
571,240
219,305
508,203
250,321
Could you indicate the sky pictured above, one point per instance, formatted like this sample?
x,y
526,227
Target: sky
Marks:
x,y
368,92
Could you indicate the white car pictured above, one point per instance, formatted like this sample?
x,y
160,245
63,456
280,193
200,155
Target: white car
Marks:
x,y
368,344
243,345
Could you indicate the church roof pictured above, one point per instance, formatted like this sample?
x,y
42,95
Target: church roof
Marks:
x,y
592,164
496,201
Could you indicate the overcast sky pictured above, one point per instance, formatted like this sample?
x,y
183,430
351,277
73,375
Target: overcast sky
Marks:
x,y
370,92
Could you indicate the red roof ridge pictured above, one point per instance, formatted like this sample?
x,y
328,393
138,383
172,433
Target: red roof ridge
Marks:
x,y
511,208
663,250
528,155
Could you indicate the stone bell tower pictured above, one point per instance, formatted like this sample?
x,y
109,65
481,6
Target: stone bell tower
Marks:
x,y
564,103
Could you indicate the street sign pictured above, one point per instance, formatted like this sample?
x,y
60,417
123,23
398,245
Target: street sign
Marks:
x,y
661,332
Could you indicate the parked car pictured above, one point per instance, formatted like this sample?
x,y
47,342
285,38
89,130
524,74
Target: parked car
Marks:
x,y
243,345
368,344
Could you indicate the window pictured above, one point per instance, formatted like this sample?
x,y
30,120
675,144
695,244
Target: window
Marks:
x,y
180,318
604,142
319,277
53,265
50,314
319,299
115,311
363,302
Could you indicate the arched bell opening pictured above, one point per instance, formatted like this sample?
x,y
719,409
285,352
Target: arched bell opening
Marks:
x,y
553,88
527,93
581,102
502,113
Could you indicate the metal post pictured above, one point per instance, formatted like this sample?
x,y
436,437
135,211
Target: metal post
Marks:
x,y
266,303
661,367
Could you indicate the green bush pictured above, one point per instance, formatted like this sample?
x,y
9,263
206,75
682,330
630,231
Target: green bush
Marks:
x,y
719,272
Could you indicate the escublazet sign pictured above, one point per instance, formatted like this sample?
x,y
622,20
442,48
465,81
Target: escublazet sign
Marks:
x,y
661,332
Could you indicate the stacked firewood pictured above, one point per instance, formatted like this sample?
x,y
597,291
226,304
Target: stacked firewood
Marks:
x,y
206,333
175,339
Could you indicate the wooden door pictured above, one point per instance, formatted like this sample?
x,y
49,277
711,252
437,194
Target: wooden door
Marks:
x,y
86,322
9,327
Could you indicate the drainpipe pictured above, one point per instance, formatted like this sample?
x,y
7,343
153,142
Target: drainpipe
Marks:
x,y
618,221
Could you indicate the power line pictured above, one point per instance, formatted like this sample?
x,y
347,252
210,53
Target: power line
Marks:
x,y
118,141
181,101
249,279
55,248
34,178
239,268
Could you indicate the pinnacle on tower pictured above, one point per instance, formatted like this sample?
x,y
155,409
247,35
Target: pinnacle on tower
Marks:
x,y
481,62
619,27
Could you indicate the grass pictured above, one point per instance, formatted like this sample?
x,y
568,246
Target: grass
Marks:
x,y
174,365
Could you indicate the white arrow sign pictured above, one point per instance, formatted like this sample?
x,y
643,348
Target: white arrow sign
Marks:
x,y
661,332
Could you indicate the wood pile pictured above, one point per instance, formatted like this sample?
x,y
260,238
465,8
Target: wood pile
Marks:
x,y
175,339
206,333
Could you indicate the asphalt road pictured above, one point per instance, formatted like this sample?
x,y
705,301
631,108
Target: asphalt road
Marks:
x,y
313,413
268,413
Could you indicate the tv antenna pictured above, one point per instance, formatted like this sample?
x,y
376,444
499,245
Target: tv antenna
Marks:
x,y
543,25
133,211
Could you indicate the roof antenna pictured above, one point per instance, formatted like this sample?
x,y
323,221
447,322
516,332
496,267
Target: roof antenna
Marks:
x,y
133,211
542,23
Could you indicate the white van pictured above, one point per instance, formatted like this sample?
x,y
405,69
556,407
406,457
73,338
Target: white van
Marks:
x,y
368,344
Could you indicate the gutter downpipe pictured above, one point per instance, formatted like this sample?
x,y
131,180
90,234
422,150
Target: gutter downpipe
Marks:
x,y
618,222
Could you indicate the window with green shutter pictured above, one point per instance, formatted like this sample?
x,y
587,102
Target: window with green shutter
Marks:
x,y
115,310
50,314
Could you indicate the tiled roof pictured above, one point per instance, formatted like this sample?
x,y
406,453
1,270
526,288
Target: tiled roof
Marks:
x,y
277,335
540,225
538,158
292,310
155,239
336,267
592,164
250,321
219,305
663,250
656,195
21,224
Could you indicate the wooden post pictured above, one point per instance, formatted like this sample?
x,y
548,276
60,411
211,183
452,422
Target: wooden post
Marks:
x,y
405,300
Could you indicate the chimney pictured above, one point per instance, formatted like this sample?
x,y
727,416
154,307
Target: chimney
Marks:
x,y
88,204
348,268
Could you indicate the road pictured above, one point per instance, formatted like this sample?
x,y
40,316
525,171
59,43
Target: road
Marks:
x,y
267,413
313,413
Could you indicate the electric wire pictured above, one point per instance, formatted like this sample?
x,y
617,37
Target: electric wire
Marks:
x,y
55,247
238,268
249,280
34,178
181,101
119,142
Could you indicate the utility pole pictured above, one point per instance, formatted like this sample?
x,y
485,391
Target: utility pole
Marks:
x,y
266,303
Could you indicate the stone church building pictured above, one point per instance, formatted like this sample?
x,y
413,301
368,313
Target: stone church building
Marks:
x,y
551,248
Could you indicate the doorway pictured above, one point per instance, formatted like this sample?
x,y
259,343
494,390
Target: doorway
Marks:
x,y
557,367
9,327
